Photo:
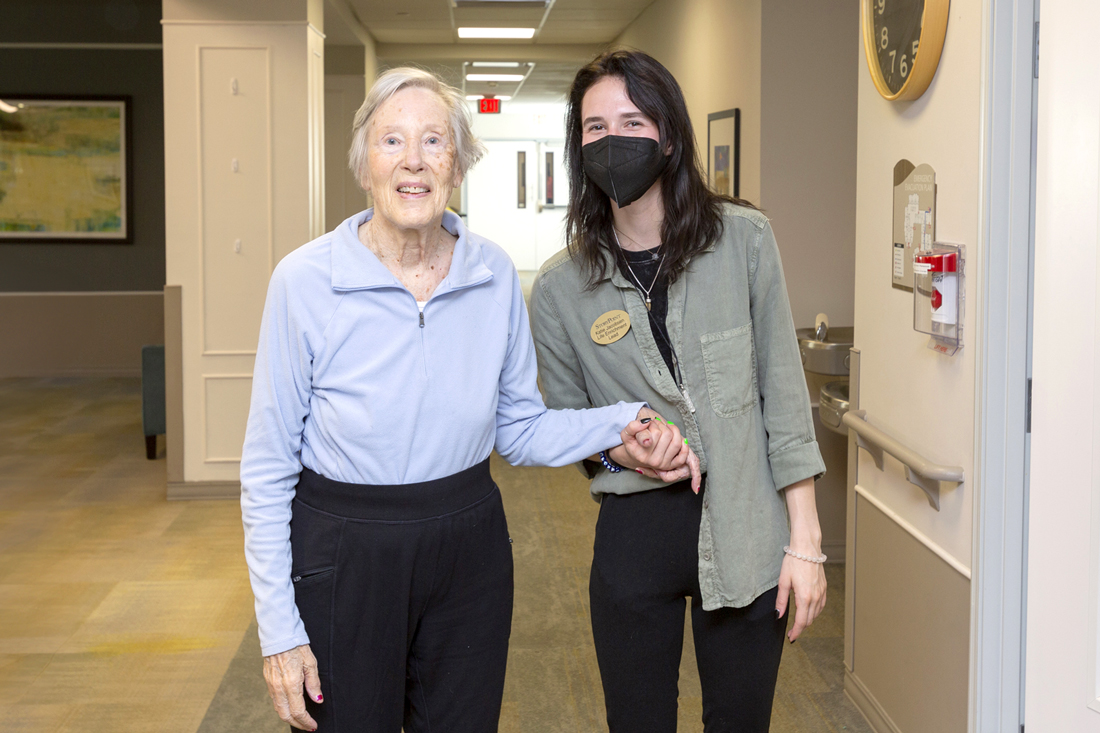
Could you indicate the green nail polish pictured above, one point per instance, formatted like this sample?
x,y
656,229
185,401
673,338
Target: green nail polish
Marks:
x,y
685,441
670,423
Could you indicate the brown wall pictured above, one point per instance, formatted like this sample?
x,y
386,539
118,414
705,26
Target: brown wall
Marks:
x,y
74,334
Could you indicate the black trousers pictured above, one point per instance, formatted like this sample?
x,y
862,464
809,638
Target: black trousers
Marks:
x,y
406,594
645,564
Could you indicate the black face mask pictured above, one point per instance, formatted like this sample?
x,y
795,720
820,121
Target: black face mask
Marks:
x,y
623,167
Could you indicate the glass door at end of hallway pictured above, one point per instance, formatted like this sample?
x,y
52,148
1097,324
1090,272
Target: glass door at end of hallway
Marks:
x,y
516,197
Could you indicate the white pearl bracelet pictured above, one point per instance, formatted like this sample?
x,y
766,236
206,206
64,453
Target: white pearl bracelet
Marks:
x,y
787,549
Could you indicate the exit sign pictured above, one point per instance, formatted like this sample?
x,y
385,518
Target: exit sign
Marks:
x,y
488,105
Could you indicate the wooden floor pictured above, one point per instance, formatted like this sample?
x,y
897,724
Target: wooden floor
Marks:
x,y
120,611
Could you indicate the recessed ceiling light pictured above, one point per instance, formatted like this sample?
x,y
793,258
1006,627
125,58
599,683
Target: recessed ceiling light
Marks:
x,y
496,32
494,77
495,64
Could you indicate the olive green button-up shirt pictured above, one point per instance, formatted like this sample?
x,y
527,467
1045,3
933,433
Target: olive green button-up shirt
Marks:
x,y
744,407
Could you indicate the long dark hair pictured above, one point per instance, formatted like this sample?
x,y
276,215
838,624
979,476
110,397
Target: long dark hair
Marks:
x,y
693,213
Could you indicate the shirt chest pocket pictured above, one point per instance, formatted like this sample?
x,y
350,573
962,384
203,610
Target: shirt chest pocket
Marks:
x,y
731,370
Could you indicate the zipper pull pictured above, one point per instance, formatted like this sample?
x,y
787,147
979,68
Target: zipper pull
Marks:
x,y
422,319
687,398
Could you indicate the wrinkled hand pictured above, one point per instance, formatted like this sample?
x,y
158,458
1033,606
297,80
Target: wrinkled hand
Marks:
x,y
655,448
807,581
286,673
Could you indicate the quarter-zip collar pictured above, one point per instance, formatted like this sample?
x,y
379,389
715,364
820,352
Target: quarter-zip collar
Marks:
x,y
355,267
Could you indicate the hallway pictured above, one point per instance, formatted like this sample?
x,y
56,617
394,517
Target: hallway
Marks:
x,y
121,611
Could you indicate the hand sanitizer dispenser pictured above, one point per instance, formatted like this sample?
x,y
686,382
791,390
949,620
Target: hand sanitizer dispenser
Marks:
x,y
938,296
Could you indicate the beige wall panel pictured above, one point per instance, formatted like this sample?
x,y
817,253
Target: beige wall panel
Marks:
x,y
173,380
912,638
236,194
226,415
192,217
712,47
220,11
71,334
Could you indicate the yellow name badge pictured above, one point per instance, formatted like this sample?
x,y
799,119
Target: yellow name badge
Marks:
x,y
610,327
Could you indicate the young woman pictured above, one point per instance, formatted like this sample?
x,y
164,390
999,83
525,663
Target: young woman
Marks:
x,y
710,338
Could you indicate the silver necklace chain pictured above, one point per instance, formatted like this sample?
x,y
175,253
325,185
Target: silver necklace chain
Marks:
x,y
643,288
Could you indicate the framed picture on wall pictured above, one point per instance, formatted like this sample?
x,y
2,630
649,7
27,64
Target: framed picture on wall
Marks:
x,y
724,152
65,169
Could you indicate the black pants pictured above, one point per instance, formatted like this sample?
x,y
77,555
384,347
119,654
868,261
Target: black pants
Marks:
x,y
406,594
645,564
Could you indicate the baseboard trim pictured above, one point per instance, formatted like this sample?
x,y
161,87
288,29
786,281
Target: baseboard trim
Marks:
x,y
203,490
867,705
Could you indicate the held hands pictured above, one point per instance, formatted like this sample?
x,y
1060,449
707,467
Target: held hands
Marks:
x,y
286,673
655,448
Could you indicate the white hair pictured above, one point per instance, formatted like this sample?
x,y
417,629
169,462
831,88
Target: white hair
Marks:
x,y
468,149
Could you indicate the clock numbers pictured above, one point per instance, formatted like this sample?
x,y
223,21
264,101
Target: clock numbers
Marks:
x,y
897,29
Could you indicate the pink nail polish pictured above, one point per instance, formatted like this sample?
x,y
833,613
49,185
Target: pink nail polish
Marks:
x,y
640,471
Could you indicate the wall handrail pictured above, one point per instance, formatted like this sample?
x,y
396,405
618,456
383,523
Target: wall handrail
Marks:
x,y
921,472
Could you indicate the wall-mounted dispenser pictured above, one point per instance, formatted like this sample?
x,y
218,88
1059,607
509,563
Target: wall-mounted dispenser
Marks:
x,y
939,295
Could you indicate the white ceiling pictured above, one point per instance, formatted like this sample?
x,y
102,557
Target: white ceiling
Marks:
x,y
424,33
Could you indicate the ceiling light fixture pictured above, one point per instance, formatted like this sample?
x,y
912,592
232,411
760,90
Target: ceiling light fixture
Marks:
x,y
495,64
5,107
494,77
496,32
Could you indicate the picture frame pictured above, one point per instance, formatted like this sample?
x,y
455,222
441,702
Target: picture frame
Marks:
x,y
66,169
724,152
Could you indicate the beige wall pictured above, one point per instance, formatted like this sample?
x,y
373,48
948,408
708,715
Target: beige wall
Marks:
x,y
798,124
922,398
344,94
77,334
712,47
810,65
270,204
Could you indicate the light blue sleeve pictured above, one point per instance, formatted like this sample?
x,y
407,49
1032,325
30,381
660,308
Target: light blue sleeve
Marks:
x,y
270,464
527,434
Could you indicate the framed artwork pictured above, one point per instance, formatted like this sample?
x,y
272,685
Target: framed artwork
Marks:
x,y
65,170
724,152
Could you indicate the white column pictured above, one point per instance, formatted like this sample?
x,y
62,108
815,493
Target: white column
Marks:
x,y
244,170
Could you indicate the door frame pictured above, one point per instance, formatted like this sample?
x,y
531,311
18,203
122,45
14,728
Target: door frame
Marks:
x,y
999,590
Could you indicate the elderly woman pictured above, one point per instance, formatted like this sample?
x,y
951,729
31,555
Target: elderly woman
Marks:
x,y
394,355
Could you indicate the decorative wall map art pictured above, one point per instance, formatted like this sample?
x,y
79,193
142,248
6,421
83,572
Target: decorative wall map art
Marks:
x,y
64,170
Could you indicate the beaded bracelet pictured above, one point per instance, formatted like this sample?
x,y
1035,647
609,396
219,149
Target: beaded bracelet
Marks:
x,y
609,464
787,549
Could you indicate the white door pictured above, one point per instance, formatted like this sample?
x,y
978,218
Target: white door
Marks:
x,y
1062,687
502,199
516,196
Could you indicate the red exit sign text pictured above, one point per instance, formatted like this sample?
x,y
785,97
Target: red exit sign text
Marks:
x,y
488,105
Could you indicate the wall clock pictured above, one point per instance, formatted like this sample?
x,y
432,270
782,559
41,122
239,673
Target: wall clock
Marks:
x,y
903,40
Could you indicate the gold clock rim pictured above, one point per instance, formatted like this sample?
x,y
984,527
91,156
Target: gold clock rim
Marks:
x,y
933,35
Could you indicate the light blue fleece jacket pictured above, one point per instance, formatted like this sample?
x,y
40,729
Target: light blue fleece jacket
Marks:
x,y
350,382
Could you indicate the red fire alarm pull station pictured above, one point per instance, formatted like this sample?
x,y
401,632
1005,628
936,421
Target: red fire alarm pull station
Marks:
x,y
938,296
488,106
